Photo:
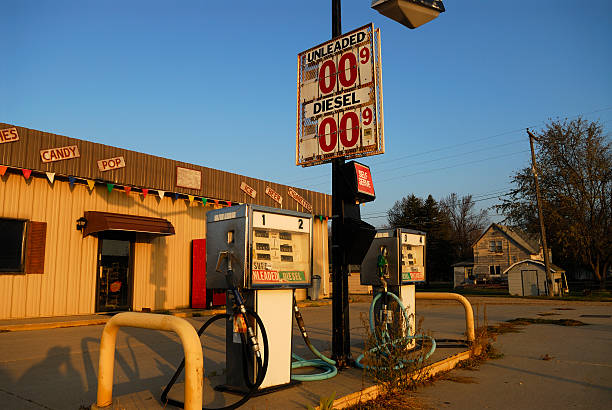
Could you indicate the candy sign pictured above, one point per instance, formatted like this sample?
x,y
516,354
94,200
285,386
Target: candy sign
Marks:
x,y
339,104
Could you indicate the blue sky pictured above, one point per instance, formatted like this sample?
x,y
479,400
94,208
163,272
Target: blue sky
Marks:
x,y
214,83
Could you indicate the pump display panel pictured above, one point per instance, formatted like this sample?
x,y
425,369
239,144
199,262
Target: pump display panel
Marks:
x,y
270,247
412,263
280,249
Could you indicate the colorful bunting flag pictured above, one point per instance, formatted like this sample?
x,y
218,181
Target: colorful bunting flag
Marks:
x,y
190,197
50,176
204,200
127,189
91,183
161,194
216,202
145,191
110,187
26,173
3,170
321,218
176,196
71,180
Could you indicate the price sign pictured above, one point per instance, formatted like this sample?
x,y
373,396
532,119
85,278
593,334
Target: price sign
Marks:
x,y
339,104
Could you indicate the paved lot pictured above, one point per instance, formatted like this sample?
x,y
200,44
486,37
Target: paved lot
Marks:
x,y
57,368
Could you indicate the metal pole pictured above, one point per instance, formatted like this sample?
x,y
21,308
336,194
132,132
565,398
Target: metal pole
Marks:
x,y
534,169
341,339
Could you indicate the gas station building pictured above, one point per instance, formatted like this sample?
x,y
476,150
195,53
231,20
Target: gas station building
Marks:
x,y
87,228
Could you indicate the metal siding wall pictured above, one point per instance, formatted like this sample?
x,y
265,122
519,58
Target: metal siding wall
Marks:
x,y
515,283
161,265
143,170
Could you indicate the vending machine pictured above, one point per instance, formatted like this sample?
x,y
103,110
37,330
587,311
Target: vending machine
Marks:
x,y
271,256
396,261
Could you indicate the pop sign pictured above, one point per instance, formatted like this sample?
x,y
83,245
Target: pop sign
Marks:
x,y
339,99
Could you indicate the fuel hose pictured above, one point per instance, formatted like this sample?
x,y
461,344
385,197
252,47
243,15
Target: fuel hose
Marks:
x,y
247,352
323,362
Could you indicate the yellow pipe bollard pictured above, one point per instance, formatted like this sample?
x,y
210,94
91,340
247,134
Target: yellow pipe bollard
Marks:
x,y
469,312
194,361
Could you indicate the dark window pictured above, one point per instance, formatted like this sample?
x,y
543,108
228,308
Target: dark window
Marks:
x,y
12,238
494,269
495,246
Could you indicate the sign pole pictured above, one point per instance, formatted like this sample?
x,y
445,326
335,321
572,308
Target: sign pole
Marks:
x,y
341,340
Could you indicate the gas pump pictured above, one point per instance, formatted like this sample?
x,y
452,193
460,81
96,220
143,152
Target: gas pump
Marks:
x,y
272,255
393,264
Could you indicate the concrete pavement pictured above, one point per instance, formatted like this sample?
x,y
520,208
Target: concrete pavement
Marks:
x,y
57,368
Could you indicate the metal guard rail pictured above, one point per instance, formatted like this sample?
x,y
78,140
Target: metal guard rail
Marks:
x,y
194,361
469,312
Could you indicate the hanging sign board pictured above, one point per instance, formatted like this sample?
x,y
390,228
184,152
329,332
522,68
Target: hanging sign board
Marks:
x,y
298,198
59,154
9,135
339,99
248,190
111,163
274,195
188,178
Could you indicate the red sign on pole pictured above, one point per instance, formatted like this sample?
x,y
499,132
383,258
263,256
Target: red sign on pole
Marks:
x,y
365,185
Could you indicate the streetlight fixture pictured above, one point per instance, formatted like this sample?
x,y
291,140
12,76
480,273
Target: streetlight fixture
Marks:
x,y
410,13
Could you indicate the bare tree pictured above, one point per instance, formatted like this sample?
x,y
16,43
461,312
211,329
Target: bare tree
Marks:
x,y
575,170
467,223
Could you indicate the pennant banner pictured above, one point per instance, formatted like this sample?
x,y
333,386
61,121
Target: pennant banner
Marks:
x,y
190,197
204,200
50,176
145,191
127,189
3,170
26,173
161,194
91,184
110,187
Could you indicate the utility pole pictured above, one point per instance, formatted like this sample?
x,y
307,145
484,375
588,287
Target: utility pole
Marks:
x,y
534,169
341,337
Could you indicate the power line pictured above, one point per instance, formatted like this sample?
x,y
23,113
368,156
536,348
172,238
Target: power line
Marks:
x,y
389,160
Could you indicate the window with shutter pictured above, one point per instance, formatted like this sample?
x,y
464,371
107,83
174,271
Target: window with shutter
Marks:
x,y
35,247
12,233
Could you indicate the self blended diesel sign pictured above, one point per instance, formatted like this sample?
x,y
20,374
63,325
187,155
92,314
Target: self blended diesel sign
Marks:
x,y
339,105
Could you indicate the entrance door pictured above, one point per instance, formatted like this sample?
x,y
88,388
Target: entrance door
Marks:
x,y
114,274
530,283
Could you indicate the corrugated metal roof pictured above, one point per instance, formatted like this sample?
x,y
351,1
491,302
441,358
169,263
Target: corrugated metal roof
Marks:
x,y
143,171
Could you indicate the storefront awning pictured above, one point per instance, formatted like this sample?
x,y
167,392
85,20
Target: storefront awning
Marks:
x,y
106,221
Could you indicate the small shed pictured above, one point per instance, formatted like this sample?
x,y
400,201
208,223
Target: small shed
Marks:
x,y
528,278
463,273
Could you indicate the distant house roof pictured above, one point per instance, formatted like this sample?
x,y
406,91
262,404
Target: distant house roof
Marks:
x,y
522,239
553,267
463,263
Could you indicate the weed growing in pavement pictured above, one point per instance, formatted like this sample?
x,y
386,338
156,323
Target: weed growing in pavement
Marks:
x,y
399,364
325,403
